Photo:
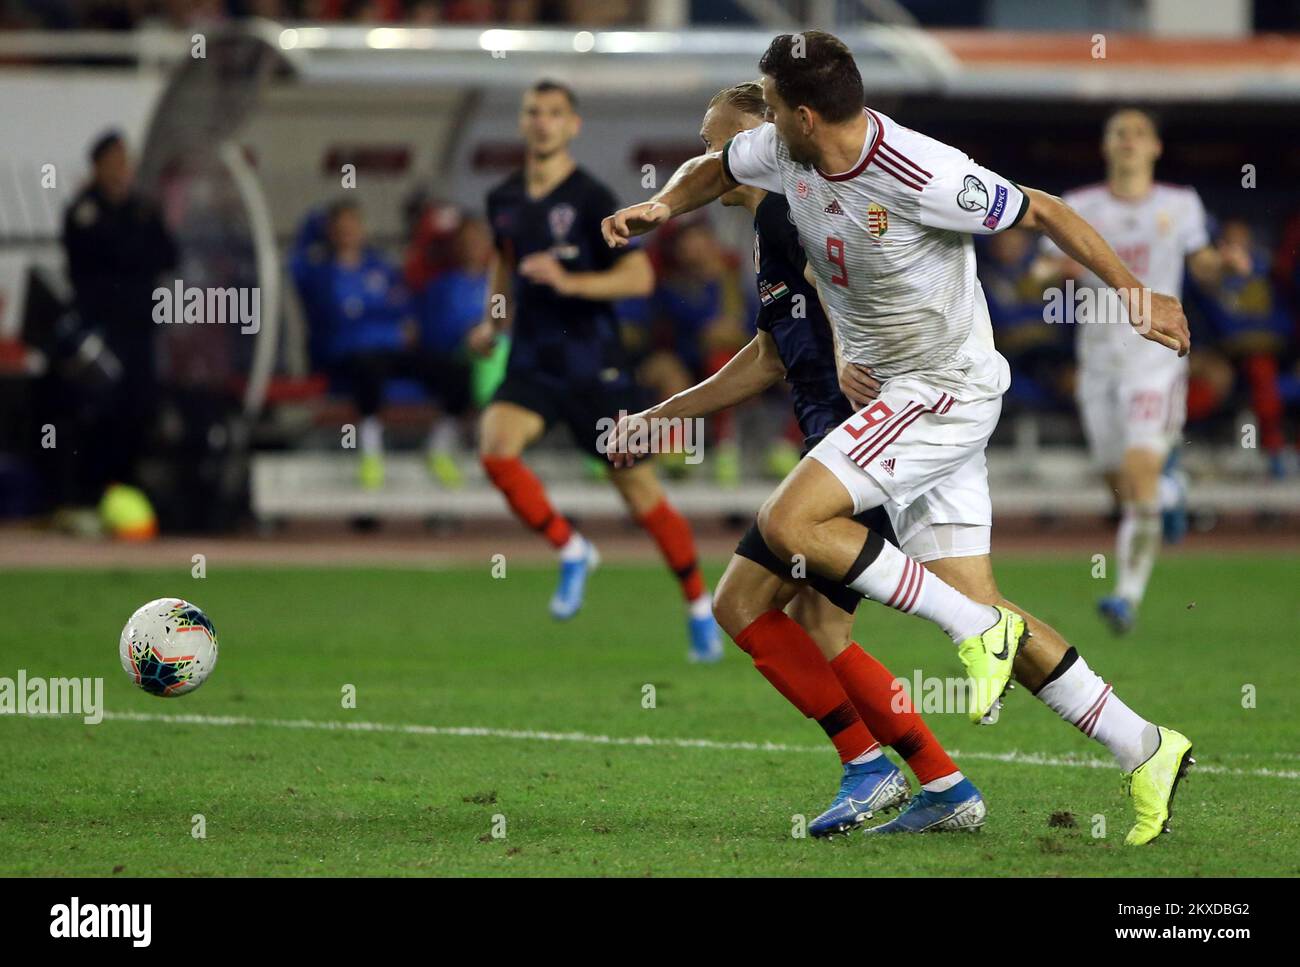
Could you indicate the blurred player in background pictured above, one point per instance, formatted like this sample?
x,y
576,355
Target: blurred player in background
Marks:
x,y
1132,393
117,248
566,365
886,215
800,635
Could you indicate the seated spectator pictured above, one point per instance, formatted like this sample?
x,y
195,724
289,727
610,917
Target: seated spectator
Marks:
x,y
365,334
1251,326
454,303
432,226
1039,353
701,313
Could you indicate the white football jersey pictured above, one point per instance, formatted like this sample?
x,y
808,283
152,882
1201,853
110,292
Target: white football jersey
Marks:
x,y
890,244
1153,237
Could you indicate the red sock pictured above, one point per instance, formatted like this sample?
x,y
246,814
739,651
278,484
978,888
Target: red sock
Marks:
x,y
787,657
1265,399
1203,398
673,535
527,498
888,712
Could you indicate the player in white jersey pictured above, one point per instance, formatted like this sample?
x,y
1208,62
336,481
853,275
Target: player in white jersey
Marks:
x,y
885,216
1132,394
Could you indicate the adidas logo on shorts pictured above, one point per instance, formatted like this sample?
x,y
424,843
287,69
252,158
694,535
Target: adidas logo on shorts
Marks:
x,y
888,466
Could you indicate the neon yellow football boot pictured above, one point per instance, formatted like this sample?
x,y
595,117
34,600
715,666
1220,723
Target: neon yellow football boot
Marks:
x,y
442,467
988,658
1152,786
781,459
370,472
726,466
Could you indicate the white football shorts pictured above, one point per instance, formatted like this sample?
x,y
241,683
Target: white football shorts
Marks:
x,y
920,452
1126,408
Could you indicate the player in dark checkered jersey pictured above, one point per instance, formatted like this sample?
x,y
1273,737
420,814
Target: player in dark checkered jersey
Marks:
x,y
758,602
566,361
903,297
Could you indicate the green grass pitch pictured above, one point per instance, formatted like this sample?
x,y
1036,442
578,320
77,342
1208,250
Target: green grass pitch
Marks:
x,y
457,648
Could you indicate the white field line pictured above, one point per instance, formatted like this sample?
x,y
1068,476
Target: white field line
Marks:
x,y
646,741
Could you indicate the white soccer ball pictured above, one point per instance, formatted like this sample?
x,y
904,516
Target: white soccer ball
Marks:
x,y
168,647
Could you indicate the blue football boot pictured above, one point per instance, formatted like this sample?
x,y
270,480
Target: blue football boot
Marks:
x,y
867,789
1118,614
706,640
573,584
959,808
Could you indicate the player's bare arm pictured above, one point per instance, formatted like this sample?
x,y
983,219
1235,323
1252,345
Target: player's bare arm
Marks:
x,y
1214,263
1079,241
630,277
748,373
856,382
693,185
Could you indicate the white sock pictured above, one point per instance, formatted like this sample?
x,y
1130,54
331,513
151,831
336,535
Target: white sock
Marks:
x,y
442,436
701,607
371,433
1079,696
1136,548
894,579
575,548
943,783
874,752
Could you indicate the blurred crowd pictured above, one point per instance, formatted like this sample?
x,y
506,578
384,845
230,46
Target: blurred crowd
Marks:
x,y
128,14
388,326
386,330
389,330
1245,332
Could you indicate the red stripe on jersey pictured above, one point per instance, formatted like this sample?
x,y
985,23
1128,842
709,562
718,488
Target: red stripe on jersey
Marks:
x,y
908,179
861,166
880,430
889,151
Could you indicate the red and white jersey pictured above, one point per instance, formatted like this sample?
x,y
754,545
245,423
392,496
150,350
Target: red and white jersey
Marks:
x,y
1153,237
890,244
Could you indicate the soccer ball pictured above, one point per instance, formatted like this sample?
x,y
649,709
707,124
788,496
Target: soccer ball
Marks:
x,y
168,647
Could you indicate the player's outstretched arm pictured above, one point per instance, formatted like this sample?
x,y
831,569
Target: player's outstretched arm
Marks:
x,y
631,277
693,185
1213,264
1156,316
748,373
